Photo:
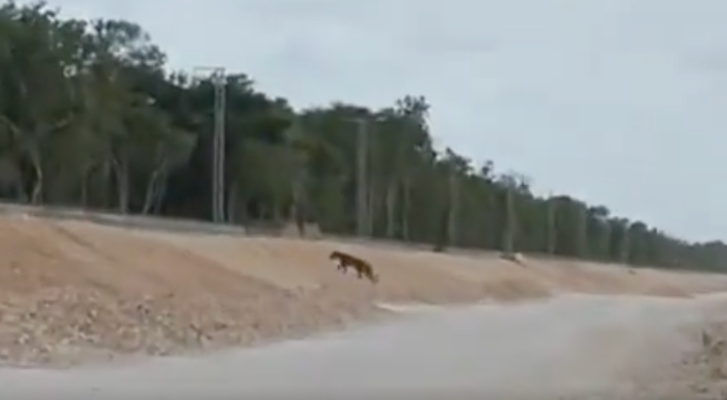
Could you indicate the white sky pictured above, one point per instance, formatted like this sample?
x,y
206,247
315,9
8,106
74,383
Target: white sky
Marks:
x,y
619,102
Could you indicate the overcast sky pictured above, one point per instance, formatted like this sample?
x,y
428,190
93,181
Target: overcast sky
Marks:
x,y
619,102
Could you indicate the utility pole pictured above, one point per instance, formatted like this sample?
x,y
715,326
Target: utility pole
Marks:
x,y
453,207
583,244
363,222
361,184
605,239
625,245
551,228
509,236
218,78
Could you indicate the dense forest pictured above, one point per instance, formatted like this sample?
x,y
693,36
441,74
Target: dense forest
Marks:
x,y
91,116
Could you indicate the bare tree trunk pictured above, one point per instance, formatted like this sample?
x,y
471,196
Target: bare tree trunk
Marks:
x,y
84,189
605,240
391,194
453,209
406,209
441,228
152,189
509,234
123,194
276,212
582,232
161,194
232,203
22,196
371,204
40,134
106,171
551,232
625,246
297,211
122,185
149,196
361,181
37,195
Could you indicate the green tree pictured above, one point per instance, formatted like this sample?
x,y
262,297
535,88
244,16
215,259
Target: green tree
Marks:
x,y
91,116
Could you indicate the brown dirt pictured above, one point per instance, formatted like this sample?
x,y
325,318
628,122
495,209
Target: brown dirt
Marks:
x,y
73,291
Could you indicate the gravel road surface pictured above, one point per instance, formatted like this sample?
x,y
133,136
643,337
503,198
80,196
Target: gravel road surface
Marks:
x,y
569,346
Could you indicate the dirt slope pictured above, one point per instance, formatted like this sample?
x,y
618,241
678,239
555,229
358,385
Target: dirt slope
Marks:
x,y
71,291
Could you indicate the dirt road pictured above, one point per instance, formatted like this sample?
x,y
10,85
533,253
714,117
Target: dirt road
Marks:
x,y
566,347
74,292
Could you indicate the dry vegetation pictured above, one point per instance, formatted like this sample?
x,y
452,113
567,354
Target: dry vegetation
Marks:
x,y
74,291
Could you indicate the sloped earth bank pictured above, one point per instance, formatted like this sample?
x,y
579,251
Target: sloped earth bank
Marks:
x,y
73,292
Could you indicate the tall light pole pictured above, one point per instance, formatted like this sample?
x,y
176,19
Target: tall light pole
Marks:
x,y
218,78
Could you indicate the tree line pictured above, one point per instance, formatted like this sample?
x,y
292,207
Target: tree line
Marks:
x,y
91,116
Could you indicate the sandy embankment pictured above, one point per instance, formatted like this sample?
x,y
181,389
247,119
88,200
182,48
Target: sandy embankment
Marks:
x,y
71,291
